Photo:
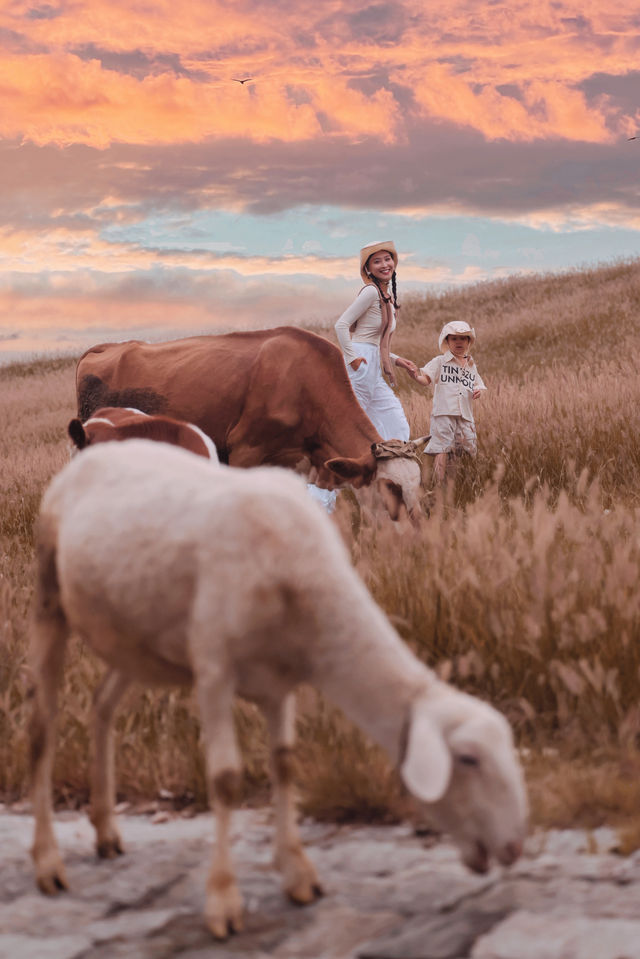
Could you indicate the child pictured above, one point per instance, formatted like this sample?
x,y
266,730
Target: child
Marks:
x,y
456,384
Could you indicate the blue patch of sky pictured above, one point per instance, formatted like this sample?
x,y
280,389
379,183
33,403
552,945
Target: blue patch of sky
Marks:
x,y
456,242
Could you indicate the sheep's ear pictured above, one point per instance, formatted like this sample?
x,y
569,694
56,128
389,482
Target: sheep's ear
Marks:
x,y
426,769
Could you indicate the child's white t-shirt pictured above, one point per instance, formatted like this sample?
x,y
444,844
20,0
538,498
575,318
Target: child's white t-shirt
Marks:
x,y
453,386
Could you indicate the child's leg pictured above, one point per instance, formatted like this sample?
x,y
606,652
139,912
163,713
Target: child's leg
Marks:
x,y
465,437
440,468
464,443
441,444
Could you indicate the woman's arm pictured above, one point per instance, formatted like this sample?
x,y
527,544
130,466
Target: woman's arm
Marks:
x,y
405,364
364,300
427,378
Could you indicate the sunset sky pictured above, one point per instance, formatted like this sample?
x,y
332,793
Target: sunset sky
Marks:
x,y
147,192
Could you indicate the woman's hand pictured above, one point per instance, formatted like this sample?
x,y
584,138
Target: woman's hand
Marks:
x,y
407,365
354,364
416,375
413,371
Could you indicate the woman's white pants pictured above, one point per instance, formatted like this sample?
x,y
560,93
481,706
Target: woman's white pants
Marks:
x,y
379,402
376,397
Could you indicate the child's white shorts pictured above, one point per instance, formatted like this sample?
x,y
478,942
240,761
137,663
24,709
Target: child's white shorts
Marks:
x,y
450,433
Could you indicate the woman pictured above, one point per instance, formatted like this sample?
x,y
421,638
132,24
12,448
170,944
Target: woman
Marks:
x,y
364,334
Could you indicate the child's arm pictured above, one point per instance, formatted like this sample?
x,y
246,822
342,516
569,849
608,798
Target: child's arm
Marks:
x,y
421,378
480,388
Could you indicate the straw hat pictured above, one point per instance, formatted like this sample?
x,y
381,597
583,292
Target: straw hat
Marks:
x,y
461,327
370,249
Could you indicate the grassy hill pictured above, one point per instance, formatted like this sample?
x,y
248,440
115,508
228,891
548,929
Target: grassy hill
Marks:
x,y
522,588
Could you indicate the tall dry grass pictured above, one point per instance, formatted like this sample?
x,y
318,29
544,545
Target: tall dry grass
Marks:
x,y
521,588
558,353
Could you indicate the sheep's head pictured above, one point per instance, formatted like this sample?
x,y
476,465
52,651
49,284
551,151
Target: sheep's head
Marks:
x,y
460,760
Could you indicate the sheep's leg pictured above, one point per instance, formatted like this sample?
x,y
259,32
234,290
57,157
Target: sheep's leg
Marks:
x,y
105,700
48,642
223,909
299,876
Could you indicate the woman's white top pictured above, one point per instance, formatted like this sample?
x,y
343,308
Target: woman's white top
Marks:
x,y
365,316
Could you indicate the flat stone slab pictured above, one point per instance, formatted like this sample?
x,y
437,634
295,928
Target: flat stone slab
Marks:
x,y
389,895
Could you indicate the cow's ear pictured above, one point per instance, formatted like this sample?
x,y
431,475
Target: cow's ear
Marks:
x,y
77,433
356,472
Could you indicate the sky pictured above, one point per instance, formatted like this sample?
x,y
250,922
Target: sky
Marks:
x,y
147,192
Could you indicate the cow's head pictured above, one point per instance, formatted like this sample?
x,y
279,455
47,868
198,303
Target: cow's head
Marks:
x,y
395,467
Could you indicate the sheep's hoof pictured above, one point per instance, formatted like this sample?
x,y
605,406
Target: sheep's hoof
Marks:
x,y
221,928
110,848
224,924
301,883
223,913
305,893
52,879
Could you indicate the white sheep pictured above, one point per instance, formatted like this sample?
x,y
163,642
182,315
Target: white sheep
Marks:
x,y
235,582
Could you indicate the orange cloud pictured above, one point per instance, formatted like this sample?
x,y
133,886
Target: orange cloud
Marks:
x,y
509,70
63,100
547,108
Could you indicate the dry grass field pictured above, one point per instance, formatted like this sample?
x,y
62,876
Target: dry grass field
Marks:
x,y
522,587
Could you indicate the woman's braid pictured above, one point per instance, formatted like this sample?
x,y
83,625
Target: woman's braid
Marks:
x,y
394,291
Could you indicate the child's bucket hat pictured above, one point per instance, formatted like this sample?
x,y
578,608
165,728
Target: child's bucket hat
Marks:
x,y
461,327
370,249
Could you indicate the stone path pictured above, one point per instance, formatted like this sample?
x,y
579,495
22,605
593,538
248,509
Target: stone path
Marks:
x,y
389,895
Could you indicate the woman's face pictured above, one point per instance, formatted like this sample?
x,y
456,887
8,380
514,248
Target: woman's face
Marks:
x,y
381,265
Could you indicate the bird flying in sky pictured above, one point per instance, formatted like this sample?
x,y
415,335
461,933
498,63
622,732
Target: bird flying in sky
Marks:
x,y
246,79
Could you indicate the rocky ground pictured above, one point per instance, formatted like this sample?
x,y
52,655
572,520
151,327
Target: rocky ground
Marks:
x,y
389,895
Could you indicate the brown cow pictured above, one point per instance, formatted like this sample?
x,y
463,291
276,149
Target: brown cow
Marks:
x,y
123,423
278,397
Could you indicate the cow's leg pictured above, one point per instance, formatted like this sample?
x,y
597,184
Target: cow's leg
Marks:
x,y
264,428
49,634
105,700
223,909
245,455
299,876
